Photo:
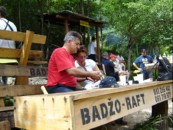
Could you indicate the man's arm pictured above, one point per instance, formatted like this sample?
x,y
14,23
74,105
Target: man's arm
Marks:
x,y
95,75
138,68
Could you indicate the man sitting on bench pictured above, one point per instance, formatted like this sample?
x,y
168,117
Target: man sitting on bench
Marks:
x,y
62,72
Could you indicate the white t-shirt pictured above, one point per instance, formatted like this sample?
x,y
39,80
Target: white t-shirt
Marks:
x,y
119,66
89,66
7,43
91,47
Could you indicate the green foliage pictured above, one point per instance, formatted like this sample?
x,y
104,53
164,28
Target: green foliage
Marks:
x,y
8,101
138,23
170,121
148,23
154,122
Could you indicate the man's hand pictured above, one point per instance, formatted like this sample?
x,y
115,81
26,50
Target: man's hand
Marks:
x,y
140,69
95,75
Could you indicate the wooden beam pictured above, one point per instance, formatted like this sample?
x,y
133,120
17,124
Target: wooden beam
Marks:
x,y
14,70
26,48
2,102
98,45
20,90
20,36
66,26
24,56
16,53
9,108
87,109
38,62
5,125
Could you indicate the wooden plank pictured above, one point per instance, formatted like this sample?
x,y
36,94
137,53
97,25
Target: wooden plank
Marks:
x,y
20,90
91,93
14,70
41,39
87,109
96,111
3,109
20,36
24,56
38,62
26,48
60,121
2,102
5,125
15,53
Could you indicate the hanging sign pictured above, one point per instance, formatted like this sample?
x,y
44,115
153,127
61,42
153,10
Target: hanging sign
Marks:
x,y
84,23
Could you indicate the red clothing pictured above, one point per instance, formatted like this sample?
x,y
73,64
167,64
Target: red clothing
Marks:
x,y
60,60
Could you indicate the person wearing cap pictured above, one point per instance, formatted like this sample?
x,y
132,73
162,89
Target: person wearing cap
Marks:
x,y
140,62
9,26
110,67
62,72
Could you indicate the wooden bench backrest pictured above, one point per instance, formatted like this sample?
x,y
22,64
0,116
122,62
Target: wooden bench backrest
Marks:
x,y
27,38
25,52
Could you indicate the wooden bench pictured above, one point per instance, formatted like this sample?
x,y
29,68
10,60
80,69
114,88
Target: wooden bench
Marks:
x,y
25,56
84,110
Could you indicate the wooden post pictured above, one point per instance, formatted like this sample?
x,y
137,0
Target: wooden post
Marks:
x,y
24,56
98,45
160,109
5,125
2,102
66,26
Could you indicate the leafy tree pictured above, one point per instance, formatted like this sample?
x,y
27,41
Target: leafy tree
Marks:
x,y
145,23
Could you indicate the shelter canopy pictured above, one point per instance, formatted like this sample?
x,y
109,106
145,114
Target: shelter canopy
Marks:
x,y
71,17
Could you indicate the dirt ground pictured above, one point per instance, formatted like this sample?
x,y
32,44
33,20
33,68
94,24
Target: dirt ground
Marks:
x,y
139,117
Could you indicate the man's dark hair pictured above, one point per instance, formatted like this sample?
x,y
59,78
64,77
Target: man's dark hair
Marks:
x,y
82,49
3,11
143,50
72,35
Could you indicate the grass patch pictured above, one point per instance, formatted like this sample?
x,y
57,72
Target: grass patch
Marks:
x,y
154,123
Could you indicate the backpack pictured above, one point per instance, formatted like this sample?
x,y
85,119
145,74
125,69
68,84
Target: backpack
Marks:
x,y
165,71
108,82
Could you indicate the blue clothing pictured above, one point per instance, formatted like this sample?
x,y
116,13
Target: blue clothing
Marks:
x,y
62,88
104,60
141,61
110,70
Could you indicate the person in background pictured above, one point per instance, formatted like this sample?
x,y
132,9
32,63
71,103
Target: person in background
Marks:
x,y
105,58
84,64
62,72
122,62
6,25
140,62
120,66
92,49
110,67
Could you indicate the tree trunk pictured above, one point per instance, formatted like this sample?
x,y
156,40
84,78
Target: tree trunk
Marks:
x,y
82,7
129,59
130,44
